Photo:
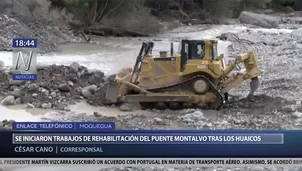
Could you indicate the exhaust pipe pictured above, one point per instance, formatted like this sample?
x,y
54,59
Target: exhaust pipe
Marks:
x,y
172,49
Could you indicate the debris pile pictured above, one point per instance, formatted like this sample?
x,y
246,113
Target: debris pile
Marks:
x,y
49,36
57,87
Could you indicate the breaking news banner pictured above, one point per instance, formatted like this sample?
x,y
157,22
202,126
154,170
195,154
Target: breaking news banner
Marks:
x,y
150,162
24,59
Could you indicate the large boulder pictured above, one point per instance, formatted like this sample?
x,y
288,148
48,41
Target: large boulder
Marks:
x,y
89,91
9,100
297,33
2,65
260,20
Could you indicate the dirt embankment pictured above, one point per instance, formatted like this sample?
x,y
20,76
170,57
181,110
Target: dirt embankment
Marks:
x,y
48,35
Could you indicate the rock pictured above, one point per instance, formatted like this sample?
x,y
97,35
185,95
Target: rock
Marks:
x,y
86,93
223,36
17,82
289,10
44,85
297,114
288,109
297,33
28,105
110,77
46,105
96,114
99,74
16,93
45,91
126,107
2,65
37,105
158,120
27,99
196,119
5,122
12,88
64,87
9,100
92,80
10,122
74,67
73,79
260,20
89,91
78,89
70,83
33,87
18,101
53,94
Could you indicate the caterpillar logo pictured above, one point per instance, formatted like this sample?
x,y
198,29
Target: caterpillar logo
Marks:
x,y
24,60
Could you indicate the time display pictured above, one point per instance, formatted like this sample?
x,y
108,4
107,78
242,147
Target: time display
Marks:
x,y
25,43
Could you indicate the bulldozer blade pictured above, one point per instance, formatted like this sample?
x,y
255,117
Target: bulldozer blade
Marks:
x,y
254,84
112,92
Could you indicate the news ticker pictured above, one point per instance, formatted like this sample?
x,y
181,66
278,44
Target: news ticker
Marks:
x,y
150,162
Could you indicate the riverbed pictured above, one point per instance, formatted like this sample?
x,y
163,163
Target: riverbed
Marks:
x,y
109,54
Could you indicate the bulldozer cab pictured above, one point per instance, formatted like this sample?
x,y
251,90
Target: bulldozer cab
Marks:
x,y
197,50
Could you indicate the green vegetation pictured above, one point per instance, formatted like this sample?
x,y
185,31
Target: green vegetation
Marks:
x,y
143,15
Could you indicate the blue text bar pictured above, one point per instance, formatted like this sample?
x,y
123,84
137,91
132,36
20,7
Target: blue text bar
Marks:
x,y
63,126
25,43
25,77
148,138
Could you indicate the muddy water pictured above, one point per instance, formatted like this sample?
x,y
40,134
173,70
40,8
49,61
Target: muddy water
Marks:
x,y
20,113
111,54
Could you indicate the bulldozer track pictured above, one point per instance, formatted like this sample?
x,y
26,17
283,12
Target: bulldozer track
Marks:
x,y
186,86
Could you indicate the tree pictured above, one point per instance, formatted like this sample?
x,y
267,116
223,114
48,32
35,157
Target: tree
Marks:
x,y
219,9
89,12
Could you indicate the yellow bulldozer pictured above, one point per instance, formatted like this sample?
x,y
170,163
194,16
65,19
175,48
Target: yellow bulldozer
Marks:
x,y
195,78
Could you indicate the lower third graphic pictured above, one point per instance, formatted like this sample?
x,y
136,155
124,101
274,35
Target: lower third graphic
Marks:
x,y
24,64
